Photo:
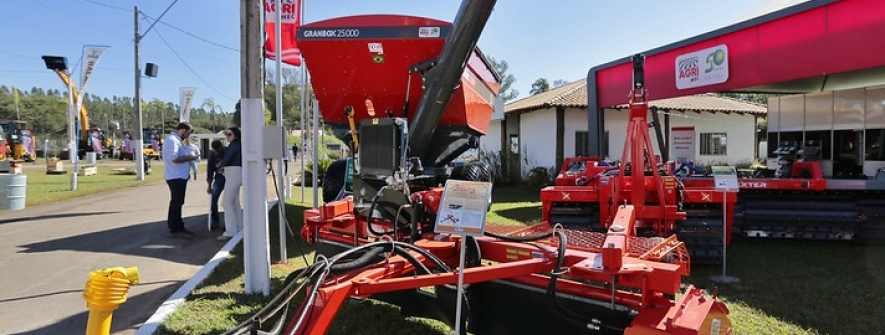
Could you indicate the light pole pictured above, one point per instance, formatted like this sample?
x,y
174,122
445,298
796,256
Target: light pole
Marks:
x,y
59,65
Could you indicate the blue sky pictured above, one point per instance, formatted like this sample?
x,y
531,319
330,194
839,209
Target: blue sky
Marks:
x,y
197,42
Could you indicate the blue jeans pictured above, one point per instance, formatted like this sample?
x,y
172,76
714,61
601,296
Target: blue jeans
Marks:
x,y
194,168
217,187
177,189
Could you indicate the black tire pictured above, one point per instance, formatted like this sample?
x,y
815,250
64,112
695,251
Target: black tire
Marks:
x,y
333,180
472,172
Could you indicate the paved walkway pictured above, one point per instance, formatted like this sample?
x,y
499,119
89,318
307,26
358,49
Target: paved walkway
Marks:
x,y
47,253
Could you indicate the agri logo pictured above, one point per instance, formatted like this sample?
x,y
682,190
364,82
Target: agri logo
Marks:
x,y
703,67
688,69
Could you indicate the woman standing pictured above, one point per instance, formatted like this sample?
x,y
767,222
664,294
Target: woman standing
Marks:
x,y
231,167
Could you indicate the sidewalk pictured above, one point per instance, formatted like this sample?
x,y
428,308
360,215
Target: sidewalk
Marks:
x,y
49,250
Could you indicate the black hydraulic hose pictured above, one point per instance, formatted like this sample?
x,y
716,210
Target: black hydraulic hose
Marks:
x,y
557,272
369,257
554,276
518,239
411,259
372,214
276,304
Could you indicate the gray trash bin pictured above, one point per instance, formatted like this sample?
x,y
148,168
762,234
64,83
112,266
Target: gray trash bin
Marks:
x,y
12,191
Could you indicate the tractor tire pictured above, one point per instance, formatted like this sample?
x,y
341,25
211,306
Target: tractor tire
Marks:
x,y
472,172
333,180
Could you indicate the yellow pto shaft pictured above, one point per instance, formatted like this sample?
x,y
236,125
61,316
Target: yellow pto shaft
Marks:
x,y
105,290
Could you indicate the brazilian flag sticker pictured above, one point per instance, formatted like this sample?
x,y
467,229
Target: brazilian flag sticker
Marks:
x,y
378,59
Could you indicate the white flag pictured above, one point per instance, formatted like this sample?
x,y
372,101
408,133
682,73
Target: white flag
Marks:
x,y
187,98
91,55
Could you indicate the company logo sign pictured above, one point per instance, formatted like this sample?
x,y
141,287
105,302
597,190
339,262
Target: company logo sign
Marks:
x,y
426,32
703,67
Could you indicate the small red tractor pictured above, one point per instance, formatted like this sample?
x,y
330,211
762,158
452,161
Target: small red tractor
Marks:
x,y
376,237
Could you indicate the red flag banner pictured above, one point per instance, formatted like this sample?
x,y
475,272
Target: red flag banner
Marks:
x,y
290,11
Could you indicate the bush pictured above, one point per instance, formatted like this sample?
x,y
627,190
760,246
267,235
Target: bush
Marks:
x,y
322,165
540,176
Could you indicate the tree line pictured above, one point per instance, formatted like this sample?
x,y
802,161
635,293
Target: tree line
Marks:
x,y
44,110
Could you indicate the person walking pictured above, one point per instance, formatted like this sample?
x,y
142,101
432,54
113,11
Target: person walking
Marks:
x,y
215,181
231,167
195,151
175,159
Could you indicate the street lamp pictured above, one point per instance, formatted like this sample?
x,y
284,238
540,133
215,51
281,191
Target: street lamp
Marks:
x,y
59,65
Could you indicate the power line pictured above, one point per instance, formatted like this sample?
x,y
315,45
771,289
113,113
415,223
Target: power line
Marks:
x,y
106,5
189,67
195,36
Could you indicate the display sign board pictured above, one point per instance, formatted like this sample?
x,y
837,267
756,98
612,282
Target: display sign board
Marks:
x,y
725,178
463,208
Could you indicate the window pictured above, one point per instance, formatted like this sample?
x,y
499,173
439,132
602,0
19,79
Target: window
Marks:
x,y
874,142
581,143
713,144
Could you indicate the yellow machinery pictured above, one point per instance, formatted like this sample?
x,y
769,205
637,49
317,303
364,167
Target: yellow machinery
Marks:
x,y
88,137
17,141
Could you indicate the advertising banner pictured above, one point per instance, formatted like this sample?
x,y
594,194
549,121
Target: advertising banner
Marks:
x,y
184,105
290,10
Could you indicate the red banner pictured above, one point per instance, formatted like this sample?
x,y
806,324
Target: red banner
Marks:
x,y
290,11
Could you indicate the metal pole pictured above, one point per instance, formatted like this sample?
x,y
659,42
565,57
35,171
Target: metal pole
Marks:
x,y
316,151
301,124
72,126
281,204
137,135
255,234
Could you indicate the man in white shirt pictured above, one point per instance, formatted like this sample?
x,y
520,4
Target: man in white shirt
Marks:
x,y
175,157
193,150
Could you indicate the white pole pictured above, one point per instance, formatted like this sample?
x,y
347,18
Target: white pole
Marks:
x,y
316,151
256,250
460,291
72,130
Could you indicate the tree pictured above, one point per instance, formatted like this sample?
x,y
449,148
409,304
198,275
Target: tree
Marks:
x,y
539,86
506,92
559,83
212,106
290,82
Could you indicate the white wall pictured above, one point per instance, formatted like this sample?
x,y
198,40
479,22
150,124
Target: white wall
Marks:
x,y
538,135
491,142
537,132
740,133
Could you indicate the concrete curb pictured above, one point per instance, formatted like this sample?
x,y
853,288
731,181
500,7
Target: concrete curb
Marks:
x,y
177,298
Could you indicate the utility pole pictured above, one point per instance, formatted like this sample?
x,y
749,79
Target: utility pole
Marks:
x,y
137,137
255,235
137,133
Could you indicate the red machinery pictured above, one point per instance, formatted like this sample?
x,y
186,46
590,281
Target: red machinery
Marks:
x,y
379,242
589,191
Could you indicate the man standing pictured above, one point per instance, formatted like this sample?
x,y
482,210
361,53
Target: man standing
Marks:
x,y
177,172
215,181
193,149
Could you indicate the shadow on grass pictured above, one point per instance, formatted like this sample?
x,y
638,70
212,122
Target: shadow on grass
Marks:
x,y
821,287
524,214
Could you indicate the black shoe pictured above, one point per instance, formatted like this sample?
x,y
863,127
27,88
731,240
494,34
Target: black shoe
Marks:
x,y
186,232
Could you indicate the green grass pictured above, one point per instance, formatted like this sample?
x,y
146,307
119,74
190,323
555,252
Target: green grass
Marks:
x,y
44,188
